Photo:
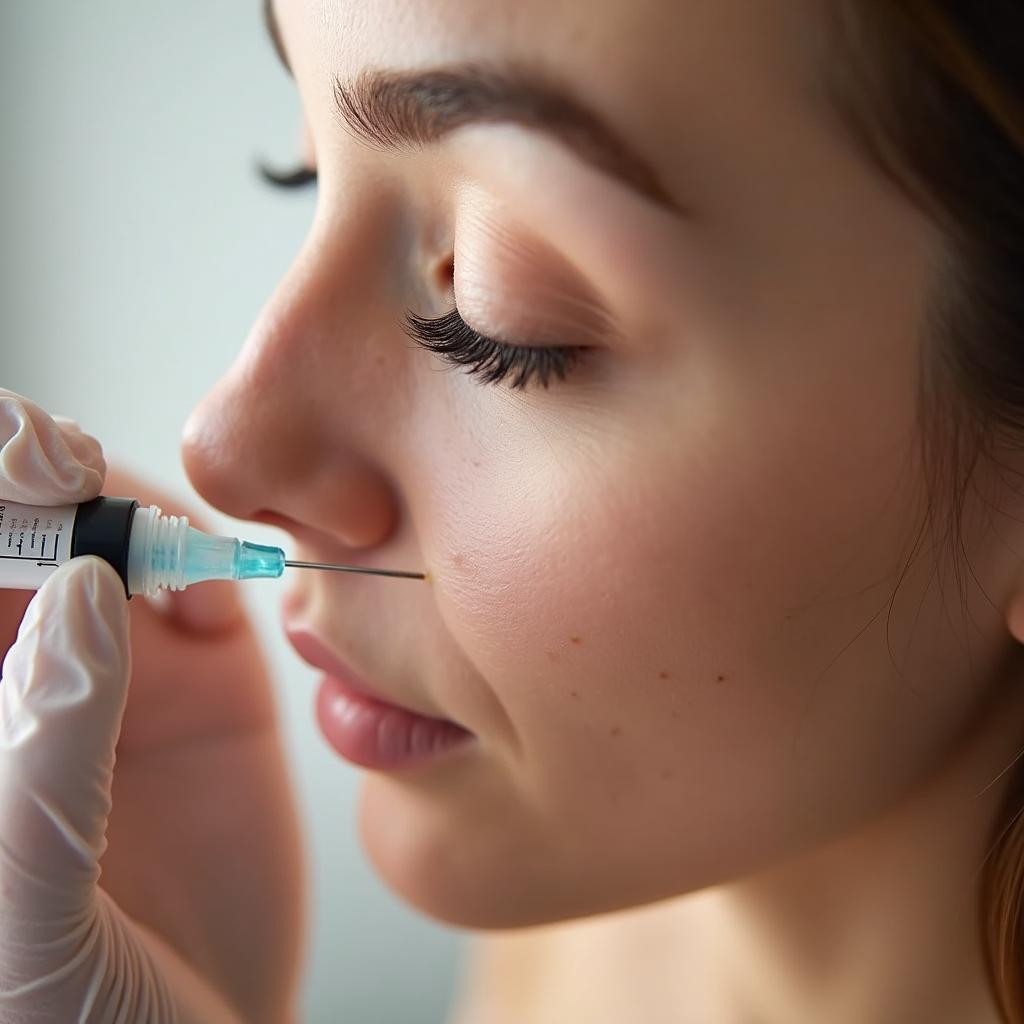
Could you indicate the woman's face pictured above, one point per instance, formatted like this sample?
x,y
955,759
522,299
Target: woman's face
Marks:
x,y
668,592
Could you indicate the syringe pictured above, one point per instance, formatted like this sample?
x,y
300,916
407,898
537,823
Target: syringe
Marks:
x,y
150,551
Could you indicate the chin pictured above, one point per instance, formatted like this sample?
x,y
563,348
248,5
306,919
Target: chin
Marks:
x,y
462,862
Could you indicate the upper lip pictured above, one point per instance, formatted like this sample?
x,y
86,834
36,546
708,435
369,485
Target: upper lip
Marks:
x,y
315,651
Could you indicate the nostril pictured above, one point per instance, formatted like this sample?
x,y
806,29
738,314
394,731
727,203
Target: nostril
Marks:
x,y
274,519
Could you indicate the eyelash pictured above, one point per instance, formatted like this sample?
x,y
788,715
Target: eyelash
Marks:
x,y
450,337
492,361
296,178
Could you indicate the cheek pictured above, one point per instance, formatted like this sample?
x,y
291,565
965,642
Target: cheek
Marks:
x,y
599,612
633,633
686,626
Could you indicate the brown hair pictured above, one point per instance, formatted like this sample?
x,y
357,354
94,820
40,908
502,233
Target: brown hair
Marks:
x,y
934,89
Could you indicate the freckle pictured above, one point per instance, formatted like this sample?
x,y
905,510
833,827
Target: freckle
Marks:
x,y
576,639
573,693
380,360
615,731
666,773
458,560
552,656
675,714
663,675
721,679
477,464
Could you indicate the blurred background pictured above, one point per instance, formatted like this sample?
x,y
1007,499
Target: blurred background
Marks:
x,y
138,246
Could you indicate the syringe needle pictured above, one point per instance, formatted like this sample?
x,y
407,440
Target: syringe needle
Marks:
x,y
355,568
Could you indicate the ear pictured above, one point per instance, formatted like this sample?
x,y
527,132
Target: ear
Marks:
x,y
1004,498
1015,618
1015,608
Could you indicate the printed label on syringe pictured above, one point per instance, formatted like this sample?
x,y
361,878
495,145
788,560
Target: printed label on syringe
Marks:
x,y
34,541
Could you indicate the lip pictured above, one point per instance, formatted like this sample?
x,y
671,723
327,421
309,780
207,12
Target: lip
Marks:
x,y
380,736
312,650
364,727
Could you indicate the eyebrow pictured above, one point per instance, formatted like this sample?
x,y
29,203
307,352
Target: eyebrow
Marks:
x,y
401,110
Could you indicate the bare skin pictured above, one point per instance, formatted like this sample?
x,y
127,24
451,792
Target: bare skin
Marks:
x,y
671,593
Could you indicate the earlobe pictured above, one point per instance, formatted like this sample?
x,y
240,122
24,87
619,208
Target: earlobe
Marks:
x,y
1015,609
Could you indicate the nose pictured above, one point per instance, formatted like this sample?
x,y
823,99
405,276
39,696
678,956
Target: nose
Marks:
x,y
296,434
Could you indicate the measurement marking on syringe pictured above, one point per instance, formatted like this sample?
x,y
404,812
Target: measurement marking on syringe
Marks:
x,y
27,556
31,555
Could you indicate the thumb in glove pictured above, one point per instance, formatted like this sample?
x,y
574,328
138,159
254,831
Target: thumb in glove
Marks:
x,y
67,952
64,686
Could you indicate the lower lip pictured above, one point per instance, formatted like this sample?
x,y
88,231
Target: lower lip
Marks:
x,y
381,736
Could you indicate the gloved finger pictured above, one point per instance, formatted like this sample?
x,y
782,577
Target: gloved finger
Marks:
x,y
85,448
44,461
62,697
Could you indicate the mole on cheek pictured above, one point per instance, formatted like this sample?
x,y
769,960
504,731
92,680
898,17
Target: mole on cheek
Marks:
x,y
721,679
576,639
615,731
664,675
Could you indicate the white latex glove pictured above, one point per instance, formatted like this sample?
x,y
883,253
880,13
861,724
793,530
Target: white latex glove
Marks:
x,y
67,952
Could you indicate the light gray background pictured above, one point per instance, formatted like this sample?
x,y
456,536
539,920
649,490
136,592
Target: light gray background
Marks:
x,y
138,246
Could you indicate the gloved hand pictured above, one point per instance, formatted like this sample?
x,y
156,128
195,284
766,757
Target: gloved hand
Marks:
x,y
68,951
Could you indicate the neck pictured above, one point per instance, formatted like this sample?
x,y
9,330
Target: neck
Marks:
x,y
882,924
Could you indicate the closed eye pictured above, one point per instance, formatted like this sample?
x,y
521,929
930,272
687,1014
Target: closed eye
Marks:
x,y
296,178
491,361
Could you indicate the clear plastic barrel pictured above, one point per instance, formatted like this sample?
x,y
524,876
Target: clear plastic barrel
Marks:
x,y
165,552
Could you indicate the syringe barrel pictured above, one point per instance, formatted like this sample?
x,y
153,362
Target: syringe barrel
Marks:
x,y
36,539
150,551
